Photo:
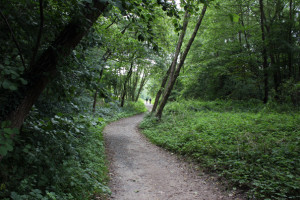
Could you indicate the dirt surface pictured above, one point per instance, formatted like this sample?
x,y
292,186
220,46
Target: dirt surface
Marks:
x,y
142,171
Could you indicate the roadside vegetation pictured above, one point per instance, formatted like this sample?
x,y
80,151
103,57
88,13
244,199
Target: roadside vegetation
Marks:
x,y
69,66
61,156
252,145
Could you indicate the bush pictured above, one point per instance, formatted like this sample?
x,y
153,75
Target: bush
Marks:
x,y
135,107
60,157
251,145
57,158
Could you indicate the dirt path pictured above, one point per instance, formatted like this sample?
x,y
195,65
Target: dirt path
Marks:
x,y
143,171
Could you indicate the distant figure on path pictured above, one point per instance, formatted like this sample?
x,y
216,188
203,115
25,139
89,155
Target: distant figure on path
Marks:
x,y
146,100
150,100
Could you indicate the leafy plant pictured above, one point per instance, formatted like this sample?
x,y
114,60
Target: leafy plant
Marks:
x,y
249,144
60,157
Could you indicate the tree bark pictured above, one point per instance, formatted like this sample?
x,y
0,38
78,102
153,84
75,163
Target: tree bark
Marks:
x,y
44,69
176,74
142,84
159,92
179,44
125,83
135,81
171,70
290,52
264,52
245,33
95,100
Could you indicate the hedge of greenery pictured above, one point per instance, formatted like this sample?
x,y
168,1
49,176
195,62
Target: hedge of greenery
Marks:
x,y
253,146
61,157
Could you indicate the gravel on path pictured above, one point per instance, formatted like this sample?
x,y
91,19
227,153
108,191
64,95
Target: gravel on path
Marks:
x,y
140,170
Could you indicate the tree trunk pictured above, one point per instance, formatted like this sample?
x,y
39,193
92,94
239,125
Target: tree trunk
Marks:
x,y
104,58
176,74
276,75
159,92
95,100
171,70
264,53
290,52
44,69
179,44
136,79
245,33
125,83
142,84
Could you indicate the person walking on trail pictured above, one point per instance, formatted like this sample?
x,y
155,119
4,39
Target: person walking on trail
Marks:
x,y
146,100
150,100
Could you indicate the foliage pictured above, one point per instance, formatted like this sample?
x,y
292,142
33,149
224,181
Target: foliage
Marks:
x,y
130,43
61,157
6,138
57,158
59,152
248,143
226,60
137,107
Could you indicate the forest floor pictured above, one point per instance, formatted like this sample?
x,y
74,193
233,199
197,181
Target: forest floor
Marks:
x,y
140,170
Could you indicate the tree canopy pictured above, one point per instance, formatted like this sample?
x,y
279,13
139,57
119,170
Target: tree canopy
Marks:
x,y
59,58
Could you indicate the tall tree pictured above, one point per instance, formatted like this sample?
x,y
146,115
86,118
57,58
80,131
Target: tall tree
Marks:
x,y
264,52
181,62
170,73
128,76
45,67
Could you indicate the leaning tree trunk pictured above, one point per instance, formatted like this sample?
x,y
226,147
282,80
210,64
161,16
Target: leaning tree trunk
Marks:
x,y
142,84
179,44
176,74
159,92
171,70
44,69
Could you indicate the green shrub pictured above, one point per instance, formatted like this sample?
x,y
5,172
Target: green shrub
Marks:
x,y
61,157
136,107
251,145
56,158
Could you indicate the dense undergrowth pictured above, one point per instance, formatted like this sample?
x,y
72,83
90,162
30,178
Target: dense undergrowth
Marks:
x,y
254,146
61,156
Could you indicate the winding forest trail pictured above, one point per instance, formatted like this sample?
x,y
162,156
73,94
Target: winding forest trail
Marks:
x,y
143,171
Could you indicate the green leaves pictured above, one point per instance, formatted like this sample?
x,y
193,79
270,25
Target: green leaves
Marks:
x,y
234,17
6,138
11,77
251,150
6,84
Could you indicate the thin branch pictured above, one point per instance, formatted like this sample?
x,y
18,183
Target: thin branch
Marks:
x,y
112,23
126,28
36,48
14,38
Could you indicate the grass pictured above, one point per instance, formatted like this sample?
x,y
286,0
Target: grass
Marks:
x,y
253,146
